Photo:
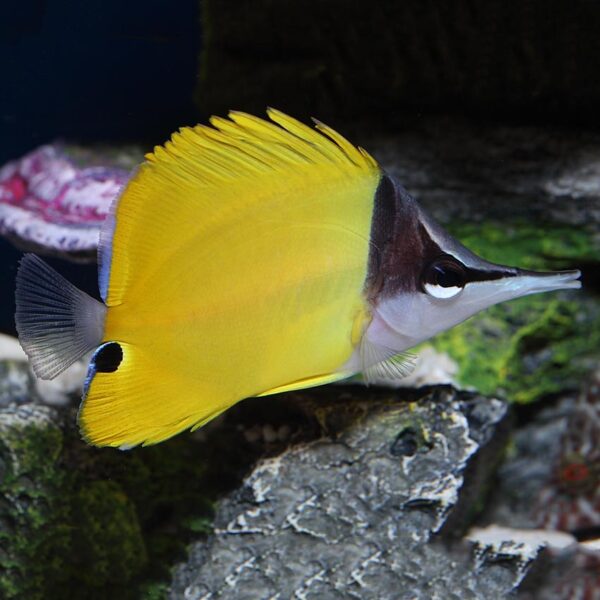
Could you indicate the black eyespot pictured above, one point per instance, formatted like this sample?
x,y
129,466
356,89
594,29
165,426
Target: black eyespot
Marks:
x,y
108,358
444,272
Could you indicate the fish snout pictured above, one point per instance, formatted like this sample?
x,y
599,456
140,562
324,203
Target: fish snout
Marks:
x,y
547,281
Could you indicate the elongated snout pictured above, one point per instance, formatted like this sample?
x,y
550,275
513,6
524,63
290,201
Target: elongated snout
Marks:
x,y
548,281
520,282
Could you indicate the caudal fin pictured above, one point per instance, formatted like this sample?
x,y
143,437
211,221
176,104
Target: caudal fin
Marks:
x,y
57,322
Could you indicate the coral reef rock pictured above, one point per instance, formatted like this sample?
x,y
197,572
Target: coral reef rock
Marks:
x,y
374,506
550,480
550,477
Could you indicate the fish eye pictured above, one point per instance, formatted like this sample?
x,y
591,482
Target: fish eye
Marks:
x,y
444,278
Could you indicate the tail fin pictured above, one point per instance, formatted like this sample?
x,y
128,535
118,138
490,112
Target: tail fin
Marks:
x,y
57,323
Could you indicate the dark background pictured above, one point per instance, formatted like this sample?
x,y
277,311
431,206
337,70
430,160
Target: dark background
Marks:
x,y
91,71
135,71
95,70
106,71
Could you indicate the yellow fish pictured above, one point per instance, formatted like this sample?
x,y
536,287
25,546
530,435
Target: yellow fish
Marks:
x,y
249,258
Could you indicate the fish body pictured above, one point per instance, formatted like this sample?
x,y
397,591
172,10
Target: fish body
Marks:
x,y
245,259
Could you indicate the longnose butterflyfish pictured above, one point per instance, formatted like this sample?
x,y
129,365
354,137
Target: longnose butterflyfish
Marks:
x,y
246,258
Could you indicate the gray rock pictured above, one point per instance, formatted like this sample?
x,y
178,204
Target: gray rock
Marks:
x,y
550,480
20,385
461,170
17,383
363,511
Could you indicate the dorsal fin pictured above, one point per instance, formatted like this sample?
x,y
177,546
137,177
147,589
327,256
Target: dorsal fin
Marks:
x,y
203,174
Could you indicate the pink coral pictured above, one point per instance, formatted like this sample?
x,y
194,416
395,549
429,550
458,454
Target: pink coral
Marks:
x,y
50,204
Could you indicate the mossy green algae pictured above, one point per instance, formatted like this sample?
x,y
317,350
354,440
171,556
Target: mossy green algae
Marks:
x,y
61,536
81,522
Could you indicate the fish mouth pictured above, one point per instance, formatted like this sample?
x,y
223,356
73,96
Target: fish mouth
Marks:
x,y
540,281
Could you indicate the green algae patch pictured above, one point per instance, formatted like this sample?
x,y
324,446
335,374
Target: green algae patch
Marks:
x,y
533,346
78,522
154,591
114,546
30,539
61,536
82,522
529,246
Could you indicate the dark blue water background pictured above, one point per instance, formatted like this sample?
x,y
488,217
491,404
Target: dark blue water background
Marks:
x,y
91,71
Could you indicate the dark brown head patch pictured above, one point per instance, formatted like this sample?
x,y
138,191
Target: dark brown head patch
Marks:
x,y
400,244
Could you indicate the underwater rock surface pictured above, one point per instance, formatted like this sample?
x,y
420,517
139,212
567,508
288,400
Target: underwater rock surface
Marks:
x,y
371,507
550,479
359,491
20,385
78,523
470,171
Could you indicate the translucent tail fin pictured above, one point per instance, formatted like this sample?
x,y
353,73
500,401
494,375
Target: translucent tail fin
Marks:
x,y
57,323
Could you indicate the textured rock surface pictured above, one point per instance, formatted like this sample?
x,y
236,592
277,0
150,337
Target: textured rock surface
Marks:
x,y
17,383
551,476
20,385
551,479
53,524
76,524
472,171
80,522
353,514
